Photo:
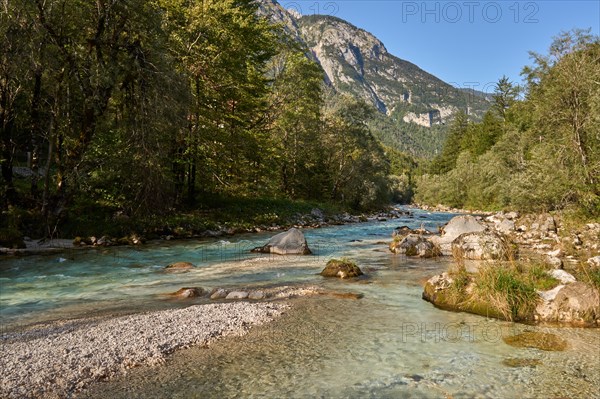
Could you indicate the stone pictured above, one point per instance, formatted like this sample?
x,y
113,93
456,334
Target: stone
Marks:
x,y
456,226
291,242
506,226
257,295
553,261
576,303
557,253
402,231
594,262
317,214
512,215
481,245
190,292
538,340
219,293
414,245
549,295
237,295
103,241
562,276
341,269
518,362
179,267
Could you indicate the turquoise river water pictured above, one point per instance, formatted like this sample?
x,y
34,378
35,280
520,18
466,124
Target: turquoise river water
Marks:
x,y
389,344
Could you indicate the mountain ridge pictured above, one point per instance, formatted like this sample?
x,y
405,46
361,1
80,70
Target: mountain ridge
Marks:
x,y
356,62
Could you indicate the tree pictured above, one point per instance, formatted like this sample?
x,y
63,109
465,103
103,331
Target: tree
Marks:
x,y
505,95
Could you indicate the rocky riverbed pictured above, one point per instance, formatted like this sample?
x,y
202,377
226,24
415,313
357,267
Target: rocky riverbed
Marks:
x,y
58,359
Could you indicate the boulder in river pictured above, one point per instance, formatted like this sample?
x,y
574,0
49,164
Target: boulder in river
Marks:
x,y
414,245
291,242
342,269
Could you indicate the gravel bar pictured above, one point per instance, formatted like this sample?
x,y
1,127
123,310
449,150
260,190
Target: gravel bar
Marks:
x,y
58,359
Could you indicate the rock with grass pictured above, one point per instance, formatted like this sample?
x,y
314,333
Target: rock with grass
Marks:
x,y
414,245
341,269
291,242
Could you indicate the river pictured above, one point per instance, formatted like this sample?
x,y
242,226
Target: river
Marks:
x,y
389,344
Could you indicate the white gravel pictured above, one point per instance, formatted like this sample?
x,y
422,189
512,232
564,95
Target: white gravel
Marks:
x,y
55,360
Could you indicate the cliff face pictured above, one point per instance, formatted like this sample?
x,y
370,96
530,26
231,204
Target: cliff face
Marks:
x,y
358,63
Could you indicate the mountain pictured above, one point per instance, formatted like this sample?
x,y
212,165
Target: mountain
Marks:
x,y
416,104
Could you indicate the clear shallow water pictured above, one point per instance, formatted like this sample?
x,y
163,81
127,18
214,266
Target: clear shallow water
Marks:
x,y
79,282
389,344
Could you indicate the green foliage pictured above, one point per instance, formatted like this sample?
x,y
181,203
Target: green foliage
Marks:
x,y
542,153
146,109
540,278
511,292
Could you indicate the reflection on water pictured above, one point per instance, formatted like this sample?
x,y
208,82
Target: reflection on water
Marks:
x,y
390,344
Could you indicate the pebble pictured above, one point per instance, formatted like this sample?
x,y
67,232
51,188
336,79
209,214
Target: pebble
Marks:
x,y
58,359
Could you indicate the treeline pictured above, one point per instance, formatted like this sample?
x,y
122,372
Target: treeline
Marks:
x,y
148,107
539,152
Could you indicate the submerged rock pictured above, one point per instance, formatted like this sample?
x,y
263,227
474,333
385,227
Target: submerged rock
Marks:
x,y
538,340
179,267
190,292
341,269
291,242
520,362
237,295
414,245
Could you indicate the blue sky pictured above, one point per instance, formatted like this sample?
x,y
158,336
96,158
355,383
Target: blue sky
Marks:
x,y
466,43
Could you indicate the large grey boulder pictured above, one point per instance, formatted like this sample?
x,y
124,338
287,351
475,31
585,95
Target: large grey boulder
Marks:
x,y
576,303
456,226
291,242
481,245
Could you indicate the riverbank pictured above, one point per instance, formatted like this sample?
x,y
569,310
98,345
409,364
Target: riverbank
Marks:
x,y
57,359
278,218
527,268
